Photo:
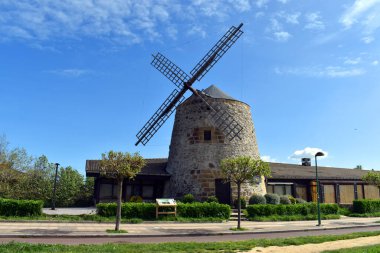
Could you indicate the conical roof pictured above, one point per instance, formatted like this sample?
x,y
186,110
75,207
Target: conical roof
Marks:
x,y
215,92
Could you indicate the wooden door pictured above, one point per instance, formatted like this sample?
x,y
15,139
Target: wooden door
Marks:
x,y
329,193
301,192
223,191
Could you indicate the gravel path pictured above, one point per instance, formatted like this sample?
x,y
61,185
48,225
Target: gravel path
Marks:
x,y
343,244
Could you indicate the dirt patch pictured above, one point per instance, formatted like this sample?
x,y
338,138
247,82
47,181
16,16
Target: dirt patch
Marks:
x,y
342,244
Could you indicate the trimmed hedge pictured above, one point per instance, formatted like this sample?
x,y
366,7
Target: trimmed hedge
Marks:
x,y
366,206
129,210
296,209
199,210
13,207
147,211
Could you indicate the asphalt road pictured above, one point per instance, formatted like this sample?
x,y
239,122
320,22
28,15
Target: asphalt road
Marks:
x,y
158,239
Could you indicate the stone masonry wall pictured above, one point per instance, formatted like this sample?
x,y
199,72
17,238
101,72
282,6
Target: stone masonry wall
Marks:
x,y
194,162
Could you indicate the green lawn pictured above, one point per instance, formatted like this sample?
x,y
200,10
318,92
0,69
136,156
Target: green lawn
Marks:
x,y
365,249
295,217
179,247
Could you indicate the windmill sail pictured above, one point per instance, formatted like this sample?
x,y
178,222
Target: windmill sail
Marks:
x,y
217,51
174,73
159,117
221,119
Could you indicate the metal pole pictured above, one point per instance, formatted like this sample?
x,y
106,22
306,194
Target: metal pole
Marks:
x,y
318,197
55,186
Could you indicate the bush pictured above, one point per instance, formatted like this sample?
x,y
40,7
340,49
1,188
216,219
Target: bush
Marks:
x,y
272,199
212,199
147,211
243,203
200,210
285,200
366,206
136,199
188,198
129,210
297,209
292,199
300,201
257,199
13,207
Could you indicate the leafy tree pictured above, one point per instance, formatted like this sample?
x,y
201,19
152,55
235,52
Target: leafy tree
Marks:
x,y
119,165
243,169
359,167
372,177
69,184
9,181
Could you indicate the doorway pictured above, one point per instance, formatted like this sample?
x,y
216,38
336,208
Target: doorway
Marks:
x,y
223,191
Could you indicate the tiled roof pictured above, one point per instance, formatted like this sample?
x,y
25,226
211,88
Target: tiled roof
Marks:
x,y
154,167
294,171
215,92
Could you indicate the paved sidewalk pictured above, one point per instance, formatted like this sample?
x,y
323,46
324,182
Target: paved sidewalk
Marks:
x,y
60,229
70,211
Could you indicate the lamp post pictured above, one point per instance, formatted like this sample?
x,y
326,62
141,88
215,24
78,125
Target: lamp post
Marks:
x,y
316,177
55,186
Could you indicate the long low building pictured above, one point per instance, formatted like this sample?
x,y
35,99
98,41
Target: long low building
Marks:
x,y
337,185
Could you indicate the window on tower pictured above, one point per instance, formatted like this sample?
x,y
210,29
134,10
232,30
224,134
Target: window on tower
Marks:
x,y
207,135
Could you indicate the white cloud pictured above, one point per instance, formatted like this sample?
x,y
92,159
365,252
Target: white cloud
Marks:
x,y
261,3
314,21
282,36
353,61
368,39
291,18
307,153
283,1
267,158
197,30
277,31
330,71
70,72
375,63
119,21
366,13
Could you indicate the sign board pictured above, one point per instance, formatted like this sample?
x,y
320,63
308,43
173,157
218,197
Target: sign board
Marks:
x,y
166,202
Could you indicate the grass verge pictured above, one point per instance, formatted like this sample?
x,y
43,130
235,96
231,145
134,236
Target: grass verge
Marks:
x,y
366,249
179,247
365,215
294,217
239,229
113,231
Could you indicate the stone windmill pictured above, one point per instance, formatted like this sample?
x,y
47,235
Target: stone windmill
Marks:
x,y
197,147
209,126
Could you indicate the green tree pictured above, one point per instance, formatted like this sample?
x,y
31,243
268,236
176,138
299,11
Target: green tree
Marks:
x,y
69,186
243,169
372,177
119,165
359,167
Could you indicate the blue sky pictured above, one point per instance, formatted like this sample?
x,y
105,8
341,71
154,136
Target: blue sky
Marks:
x,y
76,79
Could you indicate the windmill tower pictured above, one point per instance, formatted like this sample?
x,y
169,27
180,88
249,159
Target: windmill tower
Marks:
x,y
197,147
222,123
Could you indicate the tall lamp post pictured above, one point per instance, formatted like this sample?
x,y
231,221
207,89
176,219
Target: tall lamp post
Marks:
x,y
55,186
316,177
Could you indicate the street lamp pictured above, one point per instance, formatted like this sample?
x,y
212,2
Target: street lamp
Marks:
x,y
55,186
318,197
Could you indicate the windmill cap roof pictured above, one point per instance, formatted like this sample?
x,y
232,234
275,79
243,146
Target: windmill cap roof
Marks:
x,y
215,92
